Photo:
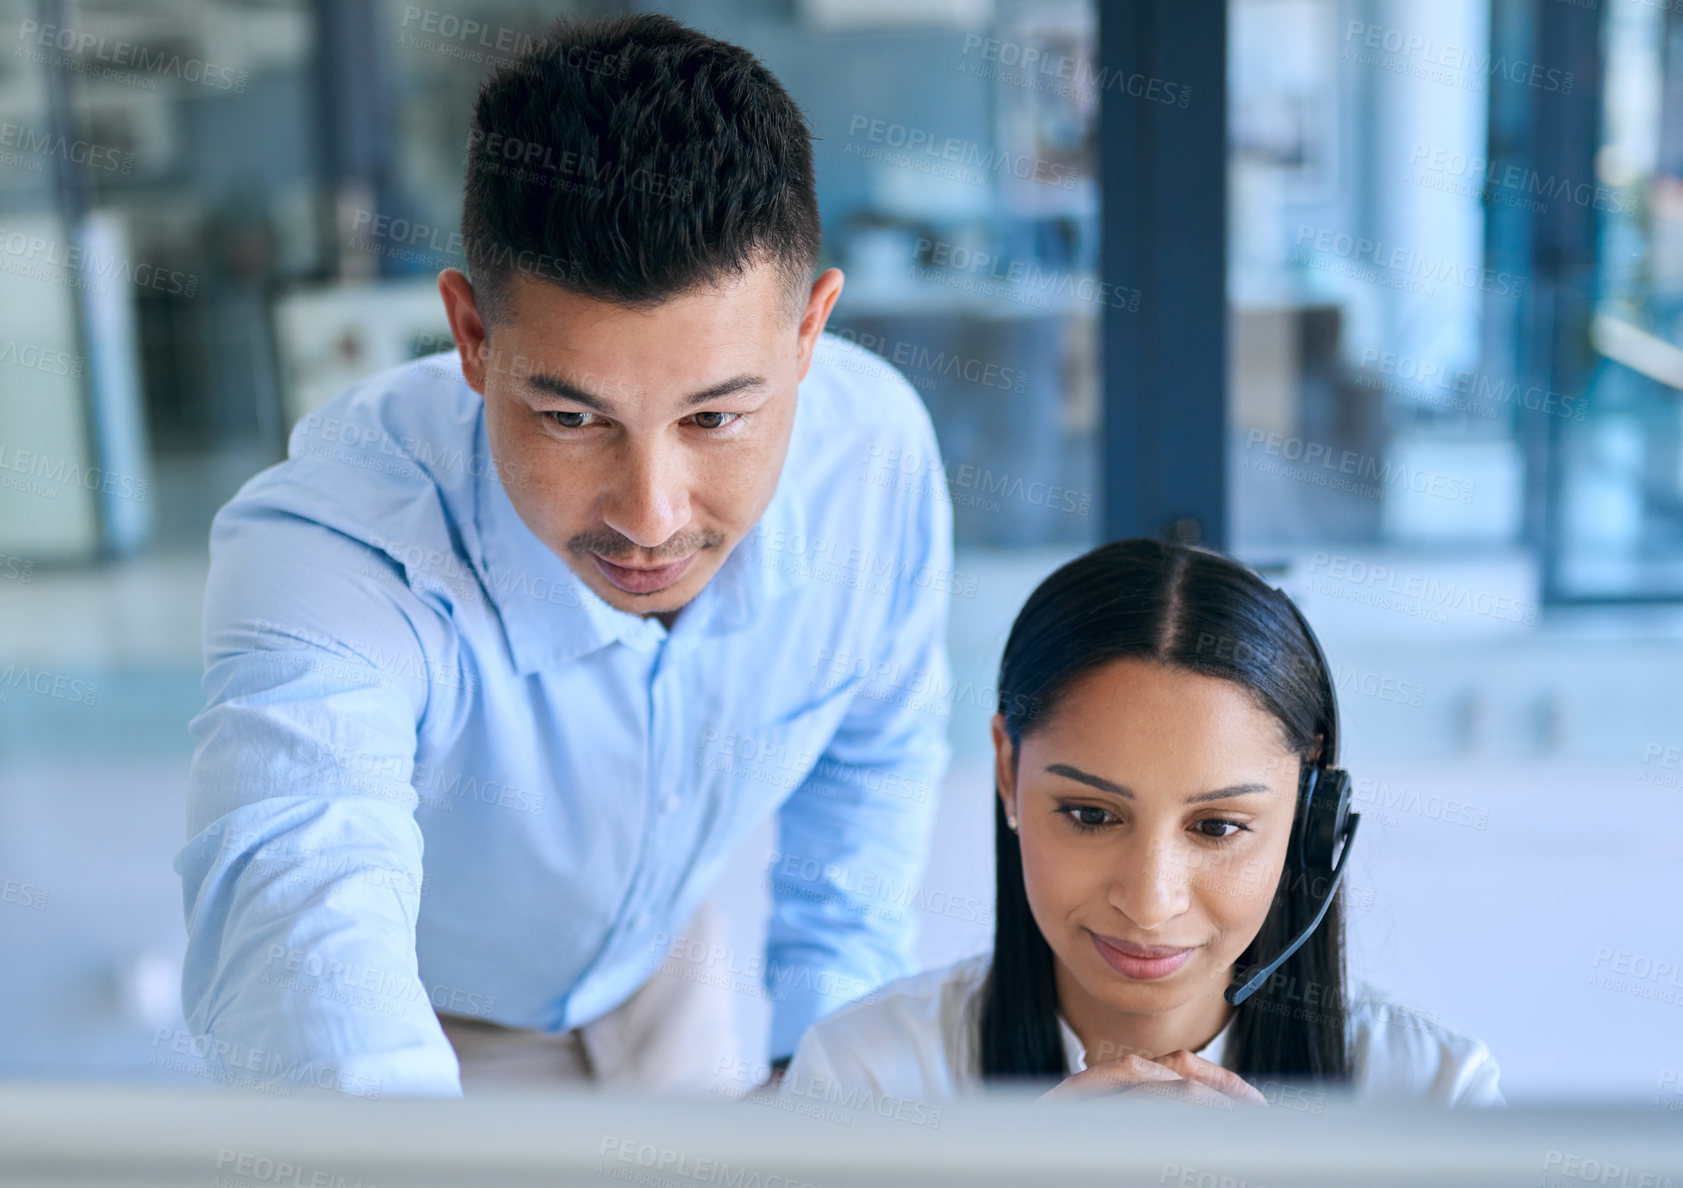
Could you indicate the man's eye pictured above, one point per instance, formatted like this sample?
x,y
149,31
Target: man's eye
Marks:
x,y
570,420
714,420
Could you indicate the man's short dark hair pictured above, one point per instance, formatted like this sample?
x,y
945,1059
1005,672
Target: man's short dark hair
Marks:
x,y
631,160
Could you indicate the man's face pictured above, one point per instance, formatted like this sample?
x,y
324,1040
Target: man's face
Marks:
x,y
640,445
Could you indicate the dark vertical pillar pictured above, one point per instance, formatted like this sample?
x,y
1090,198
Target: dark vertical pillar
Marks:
x,y
1163,176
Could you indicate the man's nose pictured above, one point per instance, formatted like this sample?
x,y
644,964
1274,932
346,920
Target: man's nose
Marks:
x,y
648,500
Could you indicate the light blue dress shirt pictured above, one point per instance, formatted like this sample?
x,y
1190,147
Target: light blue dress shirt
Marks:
x,y
434,770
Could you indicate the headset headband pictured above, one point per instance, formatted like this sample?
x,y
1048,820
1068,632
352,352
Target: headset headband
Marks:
x,y
1329,747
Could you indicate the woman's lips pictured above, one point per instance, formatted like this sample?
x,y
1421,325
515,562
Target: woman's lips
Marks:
x,y
642,581
1143,963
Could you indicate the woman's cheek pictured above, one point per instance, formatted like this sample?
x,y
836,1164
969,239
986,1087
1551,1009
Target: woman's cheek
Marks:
x,y
1242,898
1056,879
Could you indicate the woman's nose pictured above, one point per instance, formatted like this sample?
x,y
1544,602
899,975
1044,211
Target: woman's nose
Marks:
x,y
1154,884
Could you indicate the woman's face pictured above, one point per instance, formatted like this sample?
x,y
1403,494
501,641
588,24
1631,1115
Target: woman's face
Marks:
x,y
1154,808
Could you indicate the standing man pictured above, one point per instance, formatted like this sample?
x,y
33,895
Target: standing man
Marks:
x,y
518,645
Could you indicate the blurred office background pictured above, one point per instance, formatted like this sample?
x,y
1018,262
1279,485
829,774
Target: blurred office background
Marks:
x,y
1384,297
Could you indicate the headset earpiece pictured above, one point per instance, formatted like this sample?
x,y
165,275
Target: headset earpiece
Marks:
x,y
1324,813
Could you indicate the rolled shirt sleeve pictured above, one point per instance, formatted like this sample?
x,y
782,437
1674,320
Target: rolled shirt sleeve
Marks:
x,y
302,876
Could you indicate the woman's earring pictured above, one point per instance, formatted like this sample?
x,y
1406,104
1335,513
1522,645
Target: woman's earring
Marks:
x,y
1011,822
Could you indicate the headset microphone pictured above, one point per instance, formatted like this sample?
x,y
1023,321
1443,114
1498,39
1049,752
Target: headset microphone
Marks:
x,y
1324,819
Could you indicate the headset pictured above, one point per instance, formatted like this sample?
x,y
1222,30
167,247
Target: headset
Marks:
x,y
1324,819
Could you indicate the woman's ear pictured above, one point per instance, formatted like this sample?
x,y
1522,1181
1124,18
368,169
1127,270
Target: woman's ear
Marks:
x,y
1004,768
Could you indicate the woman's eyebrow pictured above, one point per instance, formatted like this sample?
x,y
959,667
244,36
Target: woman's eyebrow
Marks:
x,y
1115,789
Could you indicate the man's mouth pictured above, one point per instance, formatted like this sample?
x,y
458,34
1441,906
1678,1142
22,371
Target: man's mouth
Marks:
x,y
636,580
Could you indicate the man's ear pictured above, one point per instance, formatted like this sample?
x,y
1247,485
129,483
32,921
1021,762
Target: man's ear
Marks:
x,y
819,303
466,326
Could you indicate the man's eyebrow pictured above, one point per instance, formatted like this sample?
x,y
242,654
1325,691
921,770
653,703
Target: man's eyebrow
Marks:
x,y
1115,789
556,386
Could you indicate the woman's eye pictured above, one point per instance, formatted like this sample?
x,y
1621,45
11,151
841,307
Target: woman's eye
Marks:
x,y
1088,816
570,420
1234,826
707,420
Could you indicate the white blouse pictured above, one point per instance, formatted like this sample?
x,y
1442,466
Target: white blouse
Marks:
x,y
915,1040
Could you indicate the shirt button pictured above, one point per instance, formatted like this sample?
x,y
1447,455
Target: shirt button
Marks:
x,y
670,804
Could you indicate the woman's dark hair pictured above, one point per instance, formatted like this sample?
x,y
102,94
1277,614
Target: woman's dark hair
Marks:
x,y
633,159
1201,612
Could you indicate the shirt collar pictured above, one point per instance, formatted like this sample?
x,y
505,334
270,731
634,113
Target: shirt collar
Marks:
x,y
549,615
1075,1053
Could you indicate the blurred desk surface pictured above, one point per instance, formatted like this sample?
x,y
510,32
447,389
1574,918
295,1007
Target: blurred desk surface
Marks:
x,y
57,1135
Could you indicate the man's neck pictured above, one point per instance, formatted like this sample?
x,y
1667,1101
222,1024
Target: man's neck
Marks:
x,y
667,618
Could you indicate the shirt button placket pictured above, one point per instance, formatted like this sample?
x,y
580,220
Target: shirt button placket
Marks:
x,y
663,726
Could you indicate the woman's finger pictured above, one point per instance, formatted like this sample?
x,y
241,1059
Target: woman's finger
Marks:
x,y
1112,1076
1195,1068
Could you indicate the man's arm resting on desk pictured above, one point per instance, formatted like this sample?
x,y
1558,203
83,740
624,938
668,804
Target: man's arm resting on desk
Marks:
x,y
302,878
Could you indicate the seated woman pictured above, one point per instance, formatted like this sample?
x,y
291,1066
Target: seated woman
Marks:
x,y
1166,819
